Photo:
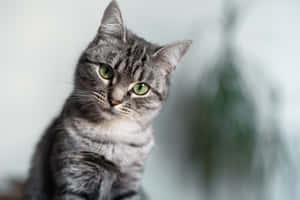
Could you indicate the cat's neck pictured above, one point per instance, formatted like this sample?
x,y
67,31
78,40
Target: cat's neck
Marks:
x,y
119,130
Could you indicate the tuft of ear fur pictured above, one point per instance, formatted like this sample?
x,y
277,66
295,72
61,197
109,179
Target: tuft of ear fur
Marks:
x,y
112,21
172,54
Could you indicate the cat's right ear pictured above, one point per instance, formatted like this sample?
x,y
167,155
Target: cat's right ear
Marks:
x,y
112,22
170,55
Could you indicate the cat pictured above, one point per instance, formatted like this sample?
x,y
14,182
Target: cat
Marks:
x,y
98,145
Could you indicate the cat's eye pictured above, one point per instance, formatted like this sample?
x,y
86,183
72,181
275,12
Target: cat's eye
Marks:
x,y
141,88
106,72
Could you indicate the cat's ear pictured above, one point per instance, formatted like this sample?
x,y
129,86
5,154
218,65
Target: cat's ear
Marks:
x,y
170,55
112,21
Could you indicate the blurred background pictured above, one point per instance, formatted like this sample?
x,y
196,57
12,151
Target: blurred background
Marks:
x,y
230,130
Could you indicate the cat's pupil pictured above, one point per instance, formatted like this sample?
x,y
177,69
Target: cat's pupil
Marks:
x,y
140,86
106,71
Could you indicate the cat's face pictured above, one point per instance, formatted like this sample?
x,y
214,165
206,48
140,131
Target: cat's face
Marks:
x,y
120,78
122,75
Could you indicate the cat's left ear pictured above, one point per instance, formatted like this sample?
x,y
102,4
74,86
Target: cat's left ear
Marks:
x,y
171,55
112,21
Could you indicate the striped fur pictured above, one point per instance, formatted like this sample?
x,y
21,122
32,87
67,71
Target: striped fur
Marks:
x,y
96,150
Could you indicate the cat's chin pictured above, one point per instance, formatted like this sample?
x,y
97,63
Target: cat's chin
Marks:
x,y
113,114
108,115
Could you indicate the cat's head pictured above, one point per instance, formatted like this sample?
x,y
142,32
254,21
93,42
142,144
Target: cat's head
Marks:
x,y
122,75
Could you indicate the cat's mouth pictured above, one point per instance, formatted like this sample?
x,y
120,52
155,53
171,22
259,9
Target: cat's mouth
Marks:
x,y
114,111
112,108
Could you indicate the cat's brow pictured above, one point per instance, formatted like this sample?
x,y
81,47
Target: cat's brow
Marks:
x,y
117,65
84,59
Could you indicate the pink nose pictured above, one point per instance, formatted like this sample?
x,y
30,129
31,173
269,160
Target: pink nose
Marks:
x,y
114,102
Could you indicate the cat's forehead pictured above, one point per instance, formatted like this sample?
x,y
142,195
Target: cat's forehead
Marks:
x,y
133,57
134,46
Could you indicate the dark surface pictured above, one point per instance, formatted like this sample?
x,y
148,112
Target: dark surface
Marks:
x,y
15,192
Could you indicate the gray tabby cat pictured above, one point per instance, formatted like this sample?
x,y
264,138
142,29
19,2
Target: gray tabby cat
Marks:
x,y
97,147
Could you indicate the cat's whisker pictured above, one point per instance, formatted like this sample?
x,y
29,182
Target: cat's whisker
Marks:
x,y
123,113
101,101
84,96
101,92
127,105
99,98
100,95
125,110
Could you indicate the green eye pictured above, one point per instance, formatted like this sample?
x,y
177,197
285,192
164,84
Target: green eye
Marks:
x,y
106,72
141,88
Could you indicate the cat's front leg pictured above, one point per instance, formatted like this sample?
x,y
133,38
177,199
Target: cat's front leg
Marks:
x,y
82,176
68,197
140,195
136,197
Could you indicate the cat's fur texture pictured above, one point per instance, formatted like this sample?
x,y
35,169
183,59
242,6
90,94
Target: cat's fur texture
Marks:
x,y
97,148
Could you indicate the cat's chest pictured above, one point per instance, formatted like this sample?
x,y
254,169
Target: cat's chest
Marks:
x,y
121,146
123,155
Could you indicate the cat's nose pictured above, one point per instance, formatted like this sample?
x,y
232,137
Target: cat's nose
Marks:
x,y
114,102
117,95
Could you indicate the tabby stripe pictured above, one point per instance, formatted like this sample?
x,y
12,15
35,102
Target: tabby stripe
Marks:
x,y
158,94
122,66
133,48
138,73
117,65
141,77
145,58
135,70
125,65
142,58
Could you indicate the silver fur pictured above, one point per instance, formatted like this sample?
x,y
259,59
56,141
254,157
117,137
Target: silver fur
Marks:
x,y
94,149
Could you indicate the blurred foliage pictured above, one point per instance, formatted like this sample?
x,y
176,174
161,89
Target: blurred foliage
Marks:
x,y
221,129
